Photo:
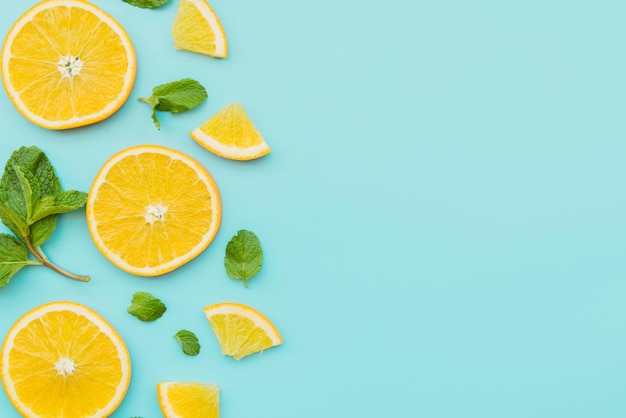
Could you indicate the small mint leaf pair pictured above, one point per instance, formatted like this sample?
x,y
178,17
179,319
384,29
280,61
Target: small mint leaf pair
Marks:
x,y
148,308
31,198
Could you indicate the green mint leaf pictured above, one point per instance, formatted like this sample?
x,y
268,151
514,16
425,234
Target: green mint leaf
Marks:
x,y
179,96
13,257
28,189
146,307
41,230
244,256
146,4
13,221
34,160
61,203
19,192
175,97
188,342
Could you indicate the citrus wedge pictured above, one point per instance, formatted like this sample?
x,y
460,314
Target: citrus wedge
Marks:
x,y
152,209
241,330
231,134
67,63
189,399
62,359
196,28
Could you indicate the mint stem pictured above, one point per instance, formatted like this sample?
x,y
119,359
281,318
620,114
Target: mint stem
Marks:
x,y
41,253
41,257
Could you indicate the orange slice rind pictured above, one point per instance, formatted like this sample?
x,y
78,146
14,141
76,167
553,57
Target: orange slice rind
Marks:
x,y
67,63
152,209
63,359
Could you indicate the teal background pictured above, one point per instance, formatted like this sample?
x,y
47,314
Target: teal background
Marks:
x,y
442,213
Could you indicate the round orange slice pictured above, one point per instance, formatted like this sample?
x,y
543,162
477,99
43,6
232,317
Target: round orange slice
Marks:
x,y
241,330
152,209
67,63
189,399
62,359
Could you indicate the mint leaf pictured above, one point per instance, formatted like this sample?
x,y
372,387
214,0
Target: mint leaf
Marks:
x,y
60,203
188,342
177,96
34,160
244,256
12,220
19,192
41,230
70,200
31,198
13,257
146,307
146,4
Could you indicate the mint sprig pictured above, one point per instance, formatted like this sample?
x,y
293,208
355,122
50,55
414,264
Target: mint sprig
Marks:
x,y
175,97
244,256
31,198
146,4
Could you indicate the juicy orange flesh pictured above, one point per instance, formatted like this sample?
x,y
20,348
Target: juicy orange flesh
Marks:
x,y
239,336
52,35
55,336
231,126
156,180
194,399
191,30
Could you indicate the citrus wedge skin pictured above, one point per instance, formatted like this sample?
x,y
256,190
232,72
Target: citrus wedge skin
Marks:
x,y
152,209
189,399
62,359
67,63
241,330
196,28
231,134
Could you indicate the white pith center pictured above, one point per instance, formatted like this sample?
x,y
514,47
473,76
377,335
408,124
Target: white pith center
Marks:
x,y
155,213
69,66
65,366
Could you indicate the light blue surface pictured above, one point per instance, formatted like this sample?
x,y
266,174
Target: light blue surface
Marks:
x,y
442,214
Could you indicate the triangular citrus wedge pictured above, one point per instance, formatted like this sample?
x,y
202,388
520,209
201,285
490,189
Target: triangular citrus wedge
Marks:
x,y
231,134
241,330
196,28
189,399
